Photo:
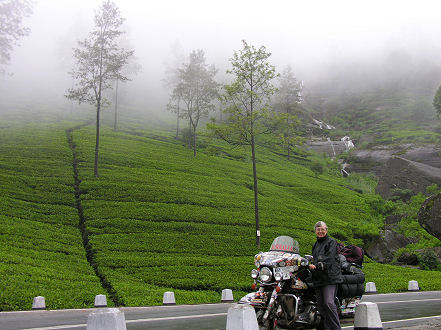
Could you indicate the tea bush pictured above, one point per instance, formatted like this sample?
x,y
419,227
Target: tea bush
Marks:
x,y
158,219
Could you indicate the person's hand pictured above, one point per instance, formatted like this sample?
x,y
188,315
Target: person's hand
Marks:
x,y
312,267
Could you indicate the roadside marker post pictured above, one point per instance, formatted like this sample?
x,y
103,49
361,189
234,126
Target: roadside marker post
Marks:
x,y
169,298
39,303
241,317
100,300
370,288
367,317
413,286
227,296
106,319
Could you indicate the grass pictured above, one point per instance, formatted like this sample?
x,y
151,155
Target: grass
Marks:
x,y
158,219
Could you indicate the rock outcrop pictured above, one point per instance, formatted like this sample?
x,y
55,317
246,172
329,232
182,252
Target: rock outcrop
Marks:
x,y
383,248
399,175
401,168
429,215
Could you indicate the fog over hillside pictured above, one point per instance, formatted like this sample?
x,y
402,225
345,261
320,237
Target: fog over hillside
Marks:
x,y
327,43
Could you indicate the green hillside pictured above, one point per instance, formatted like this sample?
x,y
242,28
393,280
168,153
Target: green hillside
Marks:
x,y
41,250
158,219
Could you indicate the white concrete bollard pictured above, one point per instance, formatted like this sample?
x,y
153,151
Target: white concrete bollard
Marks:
x,y
241,317
168,298
227,296
413,286
106,319
100,300
370,288
39,303
367,317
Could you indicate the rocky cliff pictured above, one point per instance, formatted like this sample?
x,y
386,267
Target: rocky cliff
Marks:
x,y
399,169
429,215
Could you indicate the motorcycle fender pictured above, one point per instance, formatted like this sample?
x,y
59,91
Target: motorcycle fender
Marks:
x,y
252,299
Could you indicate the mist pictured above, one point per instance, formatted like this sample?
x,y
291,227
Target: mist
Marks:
x,y
336,45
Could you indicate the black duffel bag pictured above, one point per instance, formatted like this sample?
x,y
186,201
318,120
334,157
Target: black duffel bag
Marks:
x,y
353,283
355,276
350,290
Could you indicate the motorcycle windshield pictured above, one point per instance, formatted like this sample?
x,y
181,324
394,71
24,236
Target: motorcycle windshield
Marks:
x,y
285,244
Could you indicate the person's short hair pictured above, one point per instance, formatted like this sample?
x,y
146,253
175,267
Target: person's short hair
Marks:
x,y
320,224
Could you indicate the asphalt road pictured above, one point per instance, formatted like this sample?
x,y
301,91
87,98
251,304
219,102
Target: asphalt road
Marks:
x,y
400,306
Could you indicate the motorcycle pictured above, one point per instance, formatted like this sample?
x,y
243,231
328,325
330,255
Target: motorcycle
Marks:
x,y
286,297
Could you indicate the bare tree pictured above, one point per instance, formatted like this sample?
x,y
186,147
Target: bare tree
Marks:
x,y
437,101
197,89
248,106
171,80
289,95
174,105
64,46
12,13
132,68
99,62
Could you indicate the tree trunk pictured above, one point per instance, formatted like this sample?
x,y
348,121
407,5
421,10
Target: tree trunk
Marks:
x,y
71,101
189,138
287,134
256,200
116,106
98,107
194,140
177,122
97,141
253,155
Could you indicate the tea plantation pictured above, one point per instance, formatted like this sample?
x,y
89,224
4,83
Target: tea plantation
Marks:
x,y
158,219
41,250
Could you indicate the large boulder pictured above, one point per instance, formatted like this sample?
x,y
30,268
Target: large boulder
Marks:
x,y
403,178
429,216
383,248
402,170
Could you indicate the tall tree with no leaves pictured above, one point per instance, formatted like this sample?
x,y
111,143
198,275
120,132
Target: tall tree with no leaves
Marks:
x,y
289,95
197,89
12,13
437,101
99,62
171,80
131,68
248,106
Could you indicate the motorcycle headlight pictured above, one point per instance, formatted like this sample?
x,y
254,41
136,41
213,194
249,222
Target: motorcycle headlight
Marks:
x,y
278,276
257,259
265,274
254,273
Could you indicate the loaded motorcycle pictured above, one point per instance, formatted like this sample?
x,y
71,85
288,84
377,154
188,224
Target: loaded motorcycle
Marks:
x,y
286,297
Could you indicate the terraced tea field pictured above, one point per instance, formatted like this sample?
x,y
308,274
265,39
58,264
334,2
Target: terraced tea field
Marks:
x,y
157,219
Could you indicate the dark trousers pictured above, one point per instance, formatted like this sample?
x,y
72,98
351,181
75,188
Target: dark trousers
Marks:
x,y
326,306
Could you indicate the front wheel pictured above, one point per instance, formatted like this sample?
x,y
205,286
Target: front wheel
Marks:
x,y
268,325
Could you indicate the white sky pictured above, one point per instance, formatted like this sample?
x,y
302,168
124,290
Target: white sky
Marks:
x,y
305,34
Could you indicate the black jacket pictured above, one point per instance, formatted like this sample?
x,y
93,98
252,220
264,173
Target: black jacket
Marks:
x,y
326,260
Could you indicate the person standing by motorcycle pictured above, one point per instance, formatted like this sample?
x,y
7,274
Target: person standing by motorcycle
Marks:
x,y
326,274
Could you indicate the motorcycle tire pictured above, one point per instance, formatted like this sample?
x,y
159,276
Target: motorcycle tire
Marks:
x,y
269,324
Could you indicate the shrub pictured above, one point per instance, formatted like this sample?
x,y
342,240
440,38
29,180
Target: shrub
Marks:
x,y
401,194
317,167
186,135
432,189
428,260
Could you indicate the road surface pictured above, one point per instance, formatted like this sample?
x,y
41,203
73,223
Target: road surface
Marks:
x,y
399,306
